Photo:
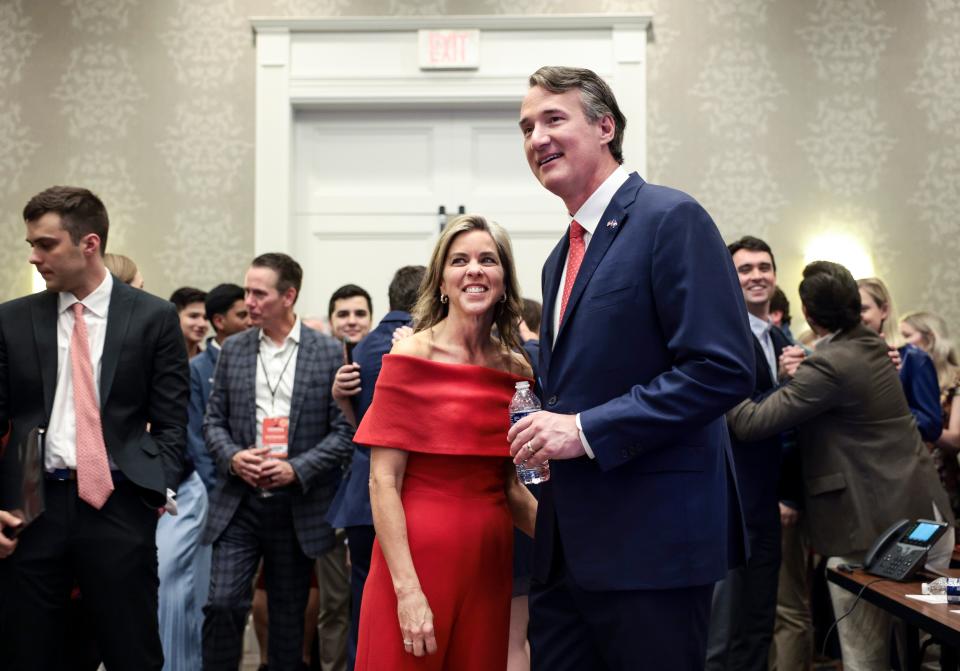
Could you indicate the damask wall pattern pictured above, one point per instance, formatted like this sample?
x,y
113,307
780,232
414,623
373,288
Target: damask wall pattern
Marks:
x,y
788,119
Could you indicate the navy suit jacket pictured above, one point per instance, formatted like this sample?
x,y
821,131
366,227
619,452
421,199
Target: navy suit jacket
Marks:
x,y
922,388
351,505
202,367
320,436
653,349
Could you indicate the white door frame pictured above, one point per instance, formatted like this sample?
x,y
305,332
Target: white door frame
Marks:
x,y
349,61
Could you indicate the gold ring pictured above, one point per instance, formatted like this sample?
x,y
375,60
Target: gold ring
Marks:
x,y
407,642
529,447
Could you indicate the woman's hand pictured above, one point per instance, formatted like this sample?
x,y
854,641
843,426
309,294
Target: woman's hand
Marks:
x,y
416,622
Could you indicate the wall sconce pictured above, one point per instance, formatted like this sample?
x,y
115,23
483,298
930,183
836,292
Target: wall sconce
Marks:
x,y
842,248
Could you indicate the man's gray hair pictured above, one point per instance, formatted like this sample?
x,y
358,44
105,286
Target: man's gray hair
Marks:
x,y
597,97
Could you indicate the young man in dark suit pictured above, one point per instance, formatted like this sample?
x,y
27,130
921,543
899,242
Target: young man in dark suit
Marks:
x,y
279,441
644,345
745,601
96,362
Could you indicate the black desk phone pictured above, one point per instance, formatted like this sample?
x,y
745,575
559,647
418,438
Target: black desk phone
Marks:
x,y
902,549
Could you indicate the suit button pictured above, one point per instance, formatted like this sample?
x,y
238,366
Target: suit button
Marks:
x,y
552,400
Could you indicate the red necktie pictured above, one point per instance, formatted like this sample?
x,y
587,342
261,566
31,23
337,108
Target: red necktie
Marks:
x,y
574,258
94,482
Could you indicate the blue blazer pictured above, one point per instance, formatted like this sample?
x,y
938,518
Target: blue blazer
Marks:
x,y
922,389
202,367
653,349
351,505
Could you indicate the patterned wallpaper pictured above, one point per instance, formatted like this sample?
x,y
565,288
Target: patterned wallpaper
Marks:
x,y
787,118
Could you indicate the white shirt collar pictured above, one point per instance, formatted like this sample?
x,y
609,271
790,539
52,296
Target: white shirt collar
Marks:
x,y
97,302
294,334
759,327
590,212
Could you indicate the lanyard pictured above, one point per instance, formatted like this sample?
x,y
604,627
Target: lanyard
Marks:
x,y
266,376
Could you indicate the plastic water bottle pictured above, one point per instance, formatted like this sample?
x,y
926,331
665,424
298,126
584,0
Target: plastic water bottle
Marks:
x,y
525,402
948,586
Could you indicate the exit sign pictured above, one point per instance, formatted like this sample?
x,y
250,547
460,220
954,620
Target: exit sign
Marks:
x,y
449,49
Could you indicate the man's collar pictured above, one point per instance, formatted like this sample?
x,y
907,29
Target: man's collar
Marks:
x,y
97,302
590,212
757,325
294,334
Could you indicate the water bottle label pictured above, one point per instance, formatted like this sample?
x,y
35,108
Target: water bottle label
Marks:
x,y
517,416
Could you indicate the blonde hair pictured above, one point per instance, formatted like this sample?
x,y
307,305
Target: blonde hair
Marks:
x,y
429,310
878,291
939,346
121,266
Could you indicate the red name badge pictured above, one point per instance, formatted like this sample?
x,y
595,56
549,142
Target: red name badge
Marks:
x,y
275,434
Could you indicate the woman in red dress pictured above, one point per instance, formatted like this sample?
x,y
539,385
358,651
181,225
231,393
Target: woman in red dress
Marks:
x,y
443,490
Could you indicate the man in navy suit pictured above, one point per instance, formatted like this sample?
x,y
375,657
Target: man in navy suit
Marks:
x,y
353,391
644,346
228,315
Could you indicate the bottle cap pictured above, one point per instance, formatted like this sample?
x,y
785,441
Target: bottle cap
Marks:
x,y
522,385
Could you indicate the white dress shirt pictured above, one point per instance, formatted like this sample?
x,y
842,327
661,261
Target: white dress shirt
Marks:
x,y
276,370
588,216
61,438
761,330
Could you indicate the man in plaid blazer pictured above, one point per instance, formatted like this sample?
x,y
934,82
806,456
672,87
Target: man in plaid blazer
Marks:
x,y
279,441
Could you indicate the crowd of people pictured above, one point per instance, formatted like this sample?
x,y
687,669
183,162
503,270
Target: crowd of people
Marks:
x,y
351,487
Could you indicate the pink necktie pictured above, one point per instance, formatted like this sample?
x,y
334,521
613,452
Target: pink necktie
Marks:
x,y
574,258
94,482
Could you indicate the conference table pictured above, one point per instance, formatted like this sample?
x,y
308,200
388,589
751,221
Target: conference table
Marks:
x,y
934,618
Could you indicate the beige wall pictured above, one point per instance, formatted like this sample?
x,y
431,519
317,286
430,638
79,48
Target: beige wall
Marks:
x,y
786,118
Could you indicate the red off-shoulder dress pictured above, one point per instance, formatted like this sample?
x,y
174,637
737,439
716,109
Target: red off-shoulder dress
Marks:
x,y
453,421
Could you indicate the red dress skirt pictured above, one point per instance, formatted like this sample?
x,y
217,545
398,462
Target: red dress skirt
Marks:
x,y
453,420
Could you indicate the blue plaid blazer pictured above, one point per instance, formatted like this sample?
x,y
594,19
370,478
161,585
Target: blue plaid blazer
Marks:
x,y
320,437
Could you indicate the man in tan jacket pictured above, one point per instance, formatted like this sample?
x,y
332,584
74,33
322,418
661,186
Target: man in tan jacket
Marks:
x,y
864,465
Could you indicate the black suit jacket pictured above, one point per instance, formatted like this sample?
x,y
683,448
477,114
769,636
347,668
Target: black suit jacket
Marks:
x,y
757,463
144,380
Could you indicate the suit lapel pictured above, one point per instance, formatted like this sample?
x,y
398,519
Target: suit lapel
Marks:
x,y
551,278
44,311
247,380
306,358
118,321
600,242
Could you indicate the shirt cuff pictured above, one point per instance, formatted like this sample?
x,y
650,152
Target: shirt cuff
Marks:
x,y
583,438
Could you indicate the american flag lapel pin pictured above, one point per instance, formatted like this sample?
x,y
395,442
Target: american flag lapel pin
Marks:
x,y
613,223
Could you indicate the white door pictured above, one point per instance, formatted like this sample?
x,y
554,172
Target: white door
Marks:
x,y
368,184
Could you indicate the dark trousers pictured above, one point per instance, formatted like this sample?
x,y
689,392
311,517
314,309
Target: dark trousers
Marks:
x,y
260,527
360,542
111,554
745,607
572,629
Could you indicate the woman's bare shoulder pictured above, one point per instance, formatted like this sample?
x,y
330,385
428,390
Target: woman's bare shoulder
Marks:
x,y
417,345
